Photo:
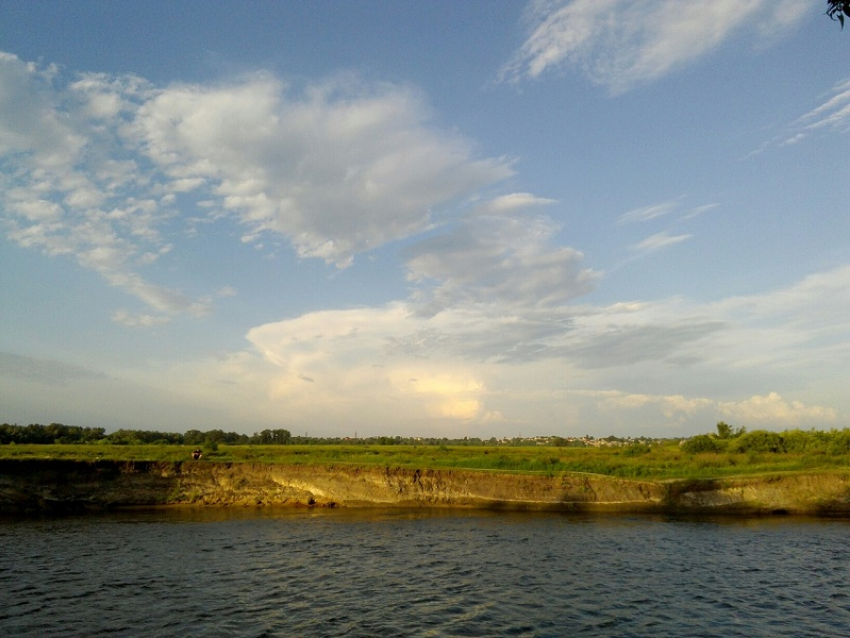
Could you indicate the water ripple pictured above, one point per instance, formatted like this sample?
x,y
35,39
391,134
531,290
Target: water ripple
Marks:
x,y
392,573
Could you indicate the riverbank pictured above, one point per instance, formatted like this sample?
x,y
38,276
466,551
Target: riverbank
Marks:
x,y
34,485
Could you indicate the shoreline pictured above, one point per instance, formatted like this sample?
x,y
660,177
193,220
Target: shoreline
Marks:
x,y
46,486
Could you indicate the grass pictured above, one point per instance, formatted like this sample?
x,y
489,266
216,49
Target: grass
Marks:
x,y
658,463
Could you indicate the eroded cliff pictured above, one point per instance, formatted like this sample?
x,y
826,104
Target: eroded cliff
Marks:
x,y
38,485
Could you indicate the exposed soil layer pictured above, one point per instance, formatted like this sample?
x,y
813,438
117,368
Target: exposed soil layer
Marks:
x,y
45,485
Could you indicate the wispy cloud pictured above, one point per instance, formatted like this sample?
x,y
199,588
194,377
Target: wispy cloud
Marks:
x,y
660,240
48,371
128,319
621,43
833,115
646,213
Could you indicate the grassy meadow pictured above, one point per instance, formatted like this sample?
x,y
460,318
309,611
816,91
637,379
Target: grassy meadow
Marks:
x,y
668,461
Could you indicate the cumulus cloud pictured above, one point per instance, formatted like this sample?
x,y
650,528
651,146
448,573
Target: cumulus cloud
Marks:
x,y
94,163
774,410
68,190
491,369
499,256
621,43
341,168
770,411
351,359
672,407
472,357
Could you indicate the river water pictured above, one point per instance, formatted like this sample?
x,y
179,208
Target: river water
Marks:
x,y
421,573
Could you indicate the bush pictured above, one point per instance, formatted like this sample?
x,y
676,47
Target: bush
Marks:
x,y
637,449
702,443
760,441
840,442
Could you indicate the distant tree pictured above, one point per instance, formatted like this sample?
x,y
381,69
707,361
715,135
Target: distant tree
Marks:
x,y
725,431
193,437
838,10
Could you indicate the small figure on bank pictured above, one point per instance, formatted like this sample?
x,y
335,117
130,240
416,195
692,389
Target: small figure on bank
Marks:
x,y
196,454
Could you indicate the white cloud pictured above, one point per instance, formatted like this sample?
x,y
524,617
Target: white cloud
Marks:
x,y
660,240
355,367
68,192
343,168
501,257
133,321
93,165
671,407
833,115
773,410
621,43
669,367
646,213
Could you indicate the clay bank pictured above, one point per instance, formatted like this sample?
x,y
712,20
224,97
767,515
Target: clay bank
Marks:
x,y
59,485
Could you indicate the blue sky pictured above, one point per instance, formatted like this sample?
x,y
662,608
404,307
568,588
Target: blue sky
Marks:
x,y
425,218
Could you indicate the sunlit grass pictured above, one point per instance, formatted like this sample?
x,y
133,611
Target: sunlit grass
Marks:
x,y
657,463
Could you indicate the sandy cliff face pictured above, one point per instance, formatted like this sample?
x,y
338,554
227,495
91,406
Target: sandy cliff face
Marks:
x,y
46,485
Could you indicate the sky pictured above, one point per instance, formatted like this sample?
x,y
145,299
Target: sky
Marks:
x,y
439,219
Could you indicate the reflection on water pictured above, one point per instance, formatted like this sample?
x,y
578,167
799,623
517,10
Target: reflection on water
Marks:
x,y
243,572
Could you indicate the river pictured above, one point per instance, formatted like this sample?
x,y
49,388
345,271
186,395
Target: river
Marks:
x,y
241,572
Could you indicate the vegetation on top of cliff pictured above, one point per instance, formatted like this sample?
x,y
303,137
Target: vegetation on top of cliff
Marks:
x,y
728,452
658,462
811,442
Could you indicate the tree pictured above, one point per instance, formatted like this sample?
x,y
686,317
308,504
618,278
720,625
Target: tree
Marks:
x,y
838,10
724,430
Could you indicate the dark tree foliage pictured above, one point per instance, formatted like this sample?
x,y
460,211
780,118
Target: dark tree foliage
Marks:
x,y
53,433
838,10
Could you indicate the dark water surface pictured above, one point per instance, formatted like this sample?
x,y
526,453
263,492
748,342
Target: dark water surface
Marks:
x,y
403,573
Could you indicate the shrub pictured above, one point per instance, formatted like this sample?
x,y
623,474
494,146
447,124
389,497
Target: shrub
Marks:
x,y
637,449
702,443
840,442
760,441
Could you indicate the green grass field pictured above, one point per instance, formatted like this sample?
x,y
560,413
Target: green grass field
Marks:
x,y
657,463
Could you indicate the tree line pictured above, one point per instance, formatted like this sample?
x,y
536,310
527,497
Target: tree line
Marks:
x,y
59,433
72,434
